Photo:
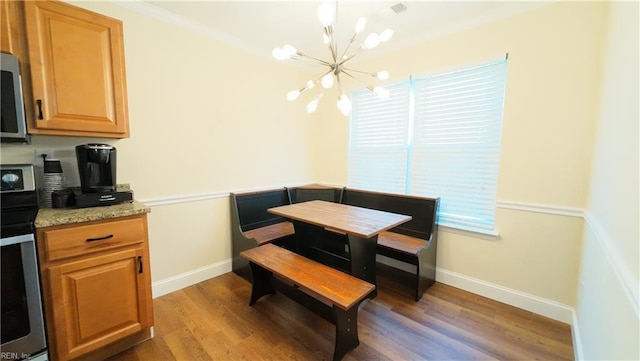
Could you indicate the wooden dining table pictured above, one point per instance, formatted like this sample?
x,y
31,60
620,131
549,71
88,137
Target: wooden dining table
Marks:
x,y
314,220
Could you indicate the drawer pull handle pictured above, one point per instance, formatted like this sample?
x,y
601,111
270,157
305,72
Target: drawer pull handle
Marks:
x,y
99,238
140,264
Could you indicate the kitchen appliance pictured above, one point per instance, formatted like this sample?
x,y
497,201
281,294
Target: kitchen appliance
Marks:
x,y
97,169
13,128
22,331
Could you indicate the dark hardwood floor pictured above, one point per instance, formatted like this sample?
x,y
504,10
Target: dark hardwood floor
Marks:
x,y
212,321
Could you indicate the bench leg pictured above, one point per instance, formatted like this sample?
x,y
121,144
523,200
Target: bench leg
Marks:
x,y
346,331
426,271
262,283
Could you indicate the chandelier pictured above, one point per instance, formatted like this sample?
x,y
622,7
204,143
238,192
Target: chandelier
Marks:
x,y
337,66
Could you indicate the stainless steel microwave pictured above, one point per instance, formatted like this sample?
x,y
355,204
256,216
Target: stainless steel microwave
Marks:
x,y
12,124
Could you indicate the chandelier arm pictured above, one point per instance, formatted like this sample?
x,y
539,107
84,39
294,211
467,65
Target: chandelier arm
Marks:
x,y
370,87
360,71
333,52
323,62
353,38
328,31
358,51
339,83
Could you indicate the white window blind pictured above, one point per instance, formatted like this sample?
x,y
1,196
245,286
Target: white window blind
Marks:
x,y
379,140
451,149
456,144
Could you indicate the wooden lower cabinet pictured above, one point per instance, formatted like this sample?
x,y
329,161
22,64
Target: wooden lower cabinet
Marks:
x,y
99,292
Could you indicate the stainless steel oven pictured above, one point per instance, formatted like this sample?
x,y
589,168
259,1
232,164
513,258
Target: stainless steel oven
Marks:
x,y
22,331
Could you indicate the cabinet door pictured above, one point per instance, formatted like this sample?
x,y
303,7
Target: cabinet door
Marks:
x,y
9,41
77,71
99,300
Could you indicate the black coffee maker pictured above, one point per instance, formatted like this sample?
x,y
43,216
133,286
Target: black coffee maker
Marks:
x,y
97,167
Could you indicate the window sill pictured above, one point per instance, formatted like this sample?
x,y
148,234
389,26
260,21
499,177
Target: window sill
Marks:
x,y
476,233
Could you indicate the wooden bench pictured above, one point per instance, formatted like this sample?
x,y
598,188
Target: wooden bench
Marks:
x,y
413,242
252,225
332,294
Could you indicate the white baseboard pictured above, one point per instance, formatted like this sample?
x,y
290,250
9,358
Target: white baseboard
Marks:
x,y
529,302
525,301
578,354
178,282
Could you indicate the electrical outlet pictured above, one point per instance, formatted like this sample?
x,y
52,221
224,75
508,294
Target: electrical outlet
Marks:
x,y
40,152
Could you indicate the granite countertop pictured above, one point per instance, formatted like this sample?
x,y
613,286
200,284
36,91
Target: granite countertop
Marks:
x,y
49,217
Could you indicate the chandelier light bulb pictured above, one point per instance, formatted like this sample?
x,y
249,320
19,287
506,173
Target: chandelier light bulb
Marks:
x,y
362,22
310,84
279,54
381,92
293,95
325,14
289,50
313,105
382,75
344,104
327,81
371,41
386,35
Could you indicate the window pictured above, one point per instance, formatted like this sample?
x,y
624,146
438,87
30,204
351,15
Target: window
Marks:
x,y
437,136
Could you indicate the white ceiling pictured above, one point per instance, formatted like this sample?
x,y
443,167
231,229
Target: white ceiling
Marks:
x,y
260,26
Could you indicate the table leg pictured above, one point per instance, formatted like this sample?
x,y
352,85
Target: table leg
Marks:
x,y
307,235
363,258
362,251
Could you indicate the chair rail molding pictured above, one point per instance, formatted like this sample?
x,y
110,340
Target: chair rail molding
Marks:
x,y
541,208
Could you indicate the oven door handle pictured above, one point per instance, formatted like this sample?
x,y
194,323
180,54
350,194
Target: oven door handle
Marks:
x,y
99,238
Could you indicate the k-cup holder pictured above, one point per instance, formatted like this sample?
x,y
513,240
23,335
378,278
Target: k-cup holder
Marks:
x,y
53,180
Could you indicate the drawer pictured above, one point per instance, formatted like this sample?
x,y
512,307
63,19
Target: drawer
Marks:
x,y
77,240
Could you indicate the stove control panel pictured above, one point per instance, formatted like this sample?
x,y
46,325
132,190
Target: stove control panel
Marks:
x,y
17,178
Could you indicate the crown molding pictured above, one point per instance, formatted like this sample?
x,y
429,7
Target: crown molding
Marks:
x,y
144,8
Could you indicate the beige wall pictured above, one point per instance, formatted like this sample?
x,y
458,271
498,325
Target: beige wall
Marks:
x,y
205,119
553,84
608,307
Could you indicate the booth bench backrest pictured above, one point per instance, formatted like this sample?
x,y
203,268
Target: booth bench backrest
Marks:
x,y
315,192
423,210
252,208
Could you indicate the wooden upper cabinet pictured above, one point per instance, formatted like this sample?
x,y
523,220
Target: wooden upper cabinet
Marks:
x,y
9,38
78,79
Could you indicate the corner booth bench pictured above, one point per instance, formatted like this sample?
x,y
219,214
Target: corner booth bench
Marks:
x,y
413,242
